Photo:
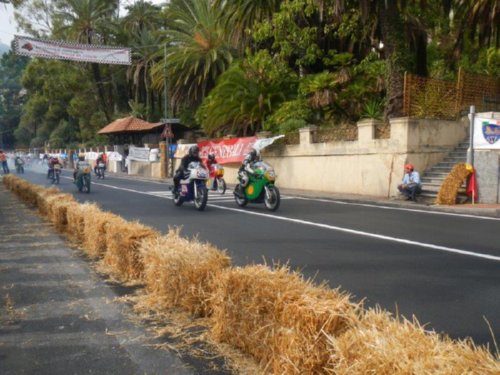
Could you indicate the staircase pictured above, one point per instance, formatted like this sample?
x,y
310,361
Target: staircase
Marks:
x,y
433,178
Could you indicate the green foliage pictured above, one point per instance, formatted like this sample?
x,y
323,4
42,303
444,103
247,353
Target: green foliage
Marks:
x,y
290,116
246,94
373,109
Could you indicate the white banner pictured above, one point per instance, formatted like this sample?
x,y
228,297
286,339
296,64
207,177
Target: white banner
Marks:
x,y
487,131
51,49
138,153
262,143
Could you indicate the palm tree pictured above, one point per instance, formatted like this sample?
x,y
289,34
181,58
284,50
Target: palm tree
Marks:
x,y
246,94
146,51
199,50
243,14
85,21
142,15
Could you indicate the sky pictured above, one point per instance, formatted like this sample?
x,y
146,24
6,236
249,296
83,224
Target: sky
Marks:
x,y
8,24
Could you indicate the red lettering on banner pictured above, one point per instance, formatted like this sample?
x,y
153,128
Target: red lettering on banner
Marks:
x,y
227,150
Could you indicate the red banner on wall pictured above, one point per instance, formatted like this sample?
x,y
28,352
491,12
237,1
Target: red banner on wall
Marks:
x,y
227,150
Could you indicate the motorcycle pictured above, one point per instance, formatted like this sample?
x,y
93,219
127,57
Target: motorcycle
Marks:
x,y
20,166
101,167
260,188
217,178
56,173
82,179
193,187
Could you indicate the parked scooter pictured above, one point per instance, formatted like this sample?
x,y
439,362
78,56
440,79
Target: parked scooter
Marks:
x,y
217,181
193,187
260,188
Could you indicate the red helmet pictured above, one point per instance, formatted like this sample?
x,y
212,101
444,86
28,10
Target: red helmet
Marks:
x,y
409,166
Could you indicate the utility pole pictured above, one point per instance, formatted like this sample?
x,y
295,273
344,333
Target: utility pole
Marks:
x,y
165,111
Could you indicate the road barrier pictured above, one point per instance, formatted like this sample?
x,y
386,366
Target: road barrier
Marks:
x,y
288,324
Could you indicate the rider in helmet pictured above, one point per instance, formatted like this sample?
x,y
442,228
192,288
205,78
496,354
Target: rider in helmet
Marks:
x,y
211,161
192,155
247,166
52,161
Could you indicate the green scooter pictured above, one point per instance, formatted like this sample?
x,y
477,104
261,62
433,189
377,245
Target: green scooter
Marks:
x,y
259,189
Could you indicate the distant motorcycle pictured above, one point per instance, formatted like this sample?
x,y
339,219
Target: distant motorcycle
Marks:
x,y
217,178
20,166
82,179
193,187
101,167
56,174
260,188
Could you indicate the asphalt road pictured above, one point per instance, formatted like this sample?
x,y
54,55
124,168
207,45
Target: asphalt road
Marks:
x,y
442,268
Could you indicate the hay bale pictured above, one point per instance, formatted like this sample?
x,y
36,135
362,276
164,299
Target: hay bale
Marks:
x,y
179,272
451,184
95,226
45,197
76,215
380,344
122,259
278,317
58,210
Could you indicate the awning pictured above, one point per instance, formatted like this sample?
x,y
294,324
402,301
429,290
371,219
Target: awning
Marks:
x,y
129,124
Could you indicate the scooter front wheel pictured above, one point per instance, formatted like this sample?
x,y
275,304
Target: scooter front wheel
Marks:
x,y
201,198
239,196
221,186
272,198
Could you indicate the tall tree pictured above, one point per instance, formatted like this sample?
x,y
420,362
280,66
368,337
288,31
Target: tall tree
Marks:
x,y
200,49
85,21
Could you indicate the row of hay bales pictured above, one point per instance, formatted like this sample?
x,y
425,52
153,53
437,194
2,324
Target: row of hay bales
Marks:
x,y
288,324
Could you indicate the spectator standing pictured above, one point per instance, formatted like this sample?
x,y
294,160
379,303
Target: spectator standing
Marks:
x,y
3,161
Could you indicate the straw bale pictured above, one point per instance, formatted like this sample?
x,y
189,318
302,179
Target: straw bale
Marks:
x,y
279,317
44,197
58,210
380,344
122,259
76,225
179,272
23,189
95,226
451,184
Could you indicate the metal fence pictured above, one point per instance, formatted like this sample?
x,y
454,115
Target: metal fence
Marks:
x,y
437,98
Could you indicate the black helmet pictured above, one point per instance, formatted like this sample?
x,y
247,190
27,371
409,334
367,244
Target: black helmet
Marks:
x,y
211,157
254,154
194,151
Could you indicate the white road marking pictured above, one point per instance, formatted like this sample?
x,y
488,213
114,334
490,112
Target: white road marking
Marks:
x,y
397,208
335,228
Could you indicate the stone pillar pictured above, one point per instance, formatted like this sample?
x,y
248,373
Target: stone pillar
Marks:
x,y
487,165
366,130
308,134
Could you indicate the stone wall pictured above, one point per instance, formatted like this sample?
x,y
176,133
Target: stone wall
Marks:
x,y
367,166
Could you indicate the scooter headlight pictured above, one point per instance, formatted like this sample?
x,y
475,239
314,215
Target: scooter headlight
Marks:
x,y
270,175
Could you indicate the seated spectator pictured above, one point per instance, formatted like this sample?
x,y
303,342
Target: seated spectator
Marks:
x,y
411,185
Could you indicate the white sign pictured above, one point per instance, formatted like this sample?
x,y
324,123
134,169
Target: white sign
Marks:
x,y
138,153
52,49
487,131
114,156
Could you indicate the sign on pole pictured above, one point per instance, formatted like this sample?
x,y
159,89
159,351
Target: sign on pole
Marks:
x,y
52,49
